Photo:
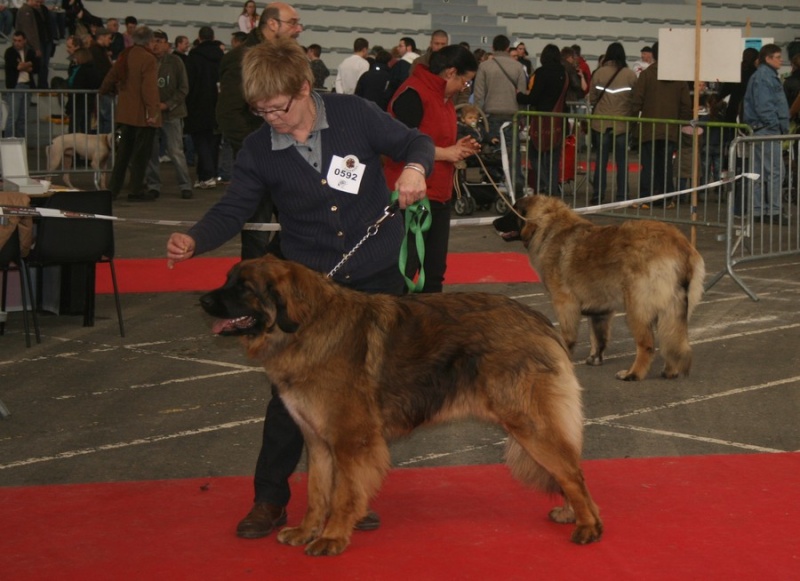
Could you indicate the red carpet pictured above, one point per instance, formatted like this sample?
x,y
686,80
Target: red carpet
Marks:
x,y
152,275
710,517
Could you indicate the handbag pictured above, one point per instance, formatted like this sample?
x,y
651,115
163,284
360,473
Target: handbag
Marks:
x,y
548,132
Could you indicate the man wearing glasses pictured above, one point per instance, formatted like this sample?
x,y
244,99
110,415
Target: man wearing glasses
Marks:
x,y
278,20
767,112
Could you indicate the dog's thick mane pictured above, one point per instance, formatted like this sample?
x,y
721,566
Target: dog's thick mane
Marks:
x,y
548,218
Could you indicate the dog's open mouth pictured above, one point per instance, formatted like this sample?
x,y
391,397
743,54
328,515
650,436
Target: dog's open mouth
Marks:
x,y
507,227
237,326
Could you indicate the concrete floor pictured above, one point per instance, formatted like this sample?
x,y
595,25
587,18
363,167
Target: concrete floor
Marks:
x,y
172,401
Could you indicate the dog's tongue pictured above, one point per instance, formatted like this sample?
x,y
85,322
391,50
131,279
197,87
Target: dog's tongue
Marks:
x,y
224,325
512,236
221,325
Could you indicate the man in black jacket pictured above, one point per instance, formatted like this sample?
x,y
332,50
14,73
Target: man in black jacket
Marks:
x,y
33,19
20,62
233,113
203,72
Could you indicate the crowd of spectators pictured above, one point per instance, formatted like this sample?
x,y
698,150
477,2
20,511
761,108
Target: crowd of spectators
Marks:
x,y
507,79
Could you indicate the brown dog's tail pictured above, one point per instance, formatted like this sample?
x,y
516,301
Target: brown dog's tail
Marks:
x,y
697,275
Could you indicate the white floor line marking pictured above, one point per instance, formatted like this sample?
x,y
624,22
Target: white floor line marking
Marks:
x,y
137,442
693,437
765,266
693,400
159,383
217,363
745,334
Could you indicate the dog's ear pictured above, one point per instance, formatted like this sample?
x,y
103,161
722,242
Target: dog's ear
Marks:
x,y
282,319
526,206
279,292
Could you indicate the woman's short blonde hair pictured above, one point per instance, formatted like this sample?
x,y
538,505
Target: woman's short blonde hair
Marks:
x,y
274,68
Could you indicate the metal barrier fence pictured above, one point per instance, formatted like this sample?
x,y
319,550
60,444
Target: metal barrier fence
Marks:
x,y
592,159
762,217
41,116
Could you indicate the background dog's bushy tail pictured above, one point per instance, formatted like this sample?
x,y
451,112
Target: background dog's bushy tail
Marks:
x,y
527,470
696,280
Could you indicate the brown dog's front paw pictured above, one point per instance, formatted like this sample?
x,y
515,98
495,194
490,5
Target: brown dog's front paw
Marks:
x,y
295,536
585,534
325,547
626,375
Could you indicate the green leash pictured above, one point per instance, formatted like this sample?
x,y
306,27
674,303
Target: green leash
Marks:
x,y
418,221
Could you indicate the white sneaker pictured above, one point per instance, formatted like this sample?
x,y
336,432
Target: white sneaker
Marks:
x,y
207,184
163,159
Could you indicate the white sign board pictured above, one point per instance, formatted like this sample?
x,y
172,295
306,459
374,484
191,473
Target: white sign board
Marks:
x,y
720,54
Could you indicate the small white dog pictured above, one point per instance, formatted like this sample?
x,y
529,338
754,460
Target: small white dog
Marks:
x,y
96,149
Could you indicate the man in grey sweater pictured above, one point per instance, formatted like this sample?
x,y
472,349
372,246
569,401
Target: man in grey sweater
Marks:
x,y
497,83
173,86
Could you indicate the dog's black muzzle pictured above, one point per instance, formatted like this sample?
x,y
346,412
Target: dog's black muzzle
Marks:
x,y
508,226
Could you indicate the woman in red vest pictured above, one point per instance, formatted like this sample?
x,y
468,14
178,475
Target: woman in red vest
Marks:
x,y
425,101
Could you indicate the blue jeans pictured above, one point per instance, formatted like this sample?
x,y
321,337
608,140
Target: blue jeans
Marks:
x,y
604,144
767,161
6,22
173,133
106,114
17,104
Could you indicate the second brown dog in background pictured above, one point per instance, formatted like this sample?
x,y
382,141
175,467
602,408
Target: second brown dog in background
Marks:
x,y
645,267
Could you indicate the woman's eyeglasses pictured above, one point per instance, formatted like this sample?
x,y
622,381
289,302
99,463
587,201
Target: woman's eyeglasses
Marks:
x,y
267,112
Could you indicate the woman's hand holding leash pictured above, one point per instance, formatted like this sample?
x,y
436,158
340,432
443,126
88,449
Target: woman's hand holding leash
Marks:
x,y
411,185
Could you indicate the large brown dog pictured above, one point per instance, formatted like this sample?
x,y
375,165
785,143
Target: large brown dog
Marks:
x,y
355,370
646,267
95,148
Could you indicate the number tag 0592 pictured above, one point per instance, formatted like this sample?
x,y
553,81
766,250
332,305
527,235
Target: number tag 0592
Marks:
x,y
345,173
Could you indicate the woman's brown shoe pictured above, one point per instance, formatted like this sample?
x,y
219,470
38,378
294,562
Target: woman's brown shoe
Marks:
x,y
262,519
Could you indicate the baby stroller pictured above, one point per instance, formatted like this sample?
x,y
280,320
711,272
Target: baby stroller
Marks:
x,y
479,177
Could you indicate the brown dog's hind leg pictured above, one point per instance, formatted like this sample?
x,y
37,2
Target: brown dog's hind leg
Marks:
x,y
673,341
642,331
556,451
568,313
599,337
564,467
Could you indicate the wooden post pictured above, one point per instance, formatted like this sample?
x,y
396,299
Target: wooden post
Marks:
x,y
695,116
